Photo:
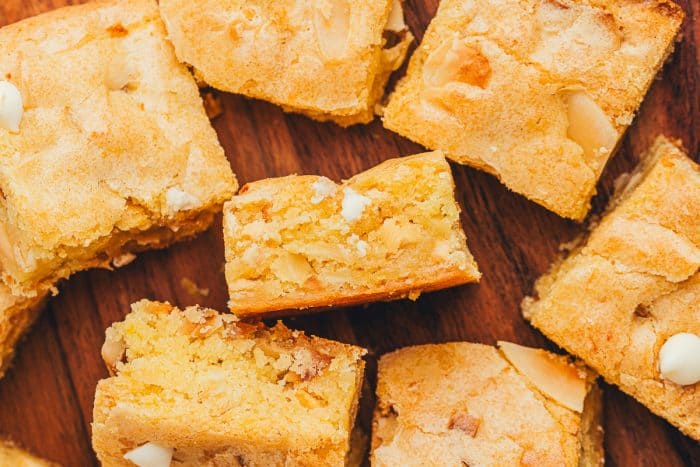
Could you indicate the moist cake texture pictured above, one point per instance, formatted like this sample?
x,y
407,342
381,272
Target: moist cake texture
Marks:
x,y
458,404
304,241
628,300
12,456
536,92
329,59
113,153
204,389
17,314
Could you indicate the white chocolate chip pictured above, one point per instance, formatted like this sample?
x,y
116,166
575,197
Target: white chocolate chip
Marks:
x,y
359,244
353,204
679,359
178,200
150,455
11,107
323,188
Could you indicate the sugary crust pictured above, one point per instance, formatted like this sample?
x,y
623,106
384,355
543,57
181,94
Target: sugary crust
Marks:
x,y
460,403
115,130
221,392
17,314
406,240
632,285
11,455
507,110
324,58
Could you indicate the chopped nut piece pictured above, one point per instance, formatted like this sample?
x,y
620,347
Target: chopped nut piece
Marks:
x,y
550,373
589,126
112,351
292,267
456,61
461,420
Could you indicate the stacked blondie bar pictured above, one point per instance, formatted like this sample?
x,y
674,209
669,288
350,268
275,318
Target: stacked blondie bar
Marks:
x,y
106,150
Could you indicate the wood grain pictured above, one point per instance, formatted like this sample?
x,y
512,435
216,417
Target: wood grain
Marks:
x,y
46,398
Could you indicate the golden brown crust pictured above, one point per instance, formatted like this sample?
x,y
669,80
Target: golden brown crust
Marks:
x,y
459,403
632,285
17,314
301,242
222,392
115,129
327,59
11,455
536,92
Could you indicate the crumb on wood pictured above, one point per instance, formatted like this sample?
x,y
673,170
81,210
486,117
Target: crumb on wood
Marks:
x,y
192,288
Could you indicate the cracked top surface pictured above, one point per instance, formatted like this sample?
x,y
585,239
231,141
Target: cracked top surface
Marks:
x,y
114,137
465,404
222,392
632,285
322,57
536,92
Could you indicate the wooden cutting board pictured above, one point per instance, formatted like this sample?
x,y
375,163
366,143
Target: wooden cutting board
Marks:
x,y
46,398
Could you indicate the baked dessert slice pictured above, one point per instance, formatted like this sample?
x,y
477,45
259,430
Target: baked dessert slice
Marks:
x,y
328,59
17,314
11,455
105,148
203,389
304,241
458,404
627,301
536,92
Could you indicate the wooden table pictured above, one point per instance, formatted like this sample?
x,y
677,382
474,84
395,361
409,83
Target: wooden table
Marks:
x,y
46,398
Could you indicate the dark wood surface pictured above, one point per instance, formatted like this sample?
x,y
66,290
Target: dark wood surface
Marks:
x,y
46,398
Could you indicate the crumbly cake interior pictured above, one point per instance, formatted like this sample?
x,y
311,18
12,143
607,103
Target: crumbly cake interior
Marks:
x,y
581,68
11,455
467,404
633,284
17,314
222,392
328,59
114,152
303,241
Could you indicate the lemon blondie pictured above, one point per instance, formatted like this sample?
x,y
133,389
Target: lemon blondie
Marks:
x,y
304,241
536,92
328,59
105,148
203,389
627,301
458,404
12,456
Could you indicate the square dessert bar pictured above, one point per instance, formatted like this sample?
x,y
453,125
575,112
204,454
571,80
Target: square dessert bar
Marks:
x,y
328,59
536,92
201,388
304,241
627,301
458,404
109,151
12,456
16,316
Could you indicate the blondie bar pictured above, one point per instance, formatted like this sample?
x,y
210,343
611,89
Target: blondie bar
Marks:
x,y
536,92
12,456
457,404
105,148
203,389
304,241
329,59
16,316
627,301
